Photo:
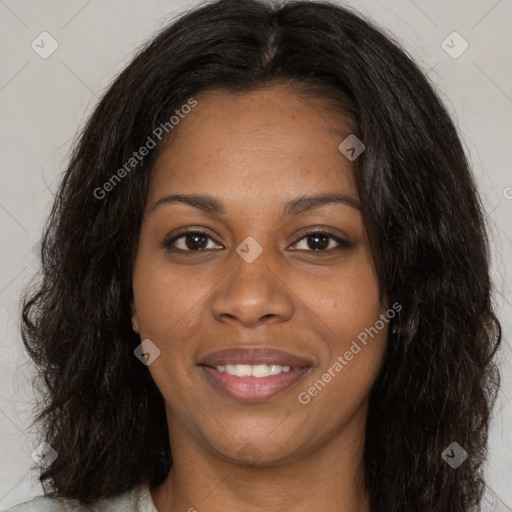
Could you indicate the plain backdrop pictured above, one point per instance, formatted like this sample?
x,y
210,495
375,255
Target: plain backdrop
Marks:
x,y
44,101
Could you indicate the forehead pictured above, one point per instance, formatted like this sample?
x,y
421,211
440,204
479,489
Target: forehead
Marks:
x,y
268,141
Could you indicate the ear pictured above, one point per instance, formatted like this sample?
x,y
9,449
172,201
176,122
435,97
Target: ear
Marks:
x,y
135,322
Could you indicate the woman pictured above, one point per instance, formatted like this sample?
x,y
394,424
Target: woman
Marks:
x,y
266,280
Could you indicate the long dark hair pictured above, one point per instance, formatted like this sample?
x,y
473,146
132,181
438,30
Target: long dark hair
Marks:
x,y
101,410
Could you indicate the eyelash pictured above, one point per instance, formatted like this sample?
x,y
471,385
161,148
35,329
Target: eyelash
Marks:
x,y
343,244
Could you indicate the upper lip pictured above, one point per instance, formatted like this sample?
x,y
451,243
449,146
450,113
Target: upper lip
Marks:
x,y
254,355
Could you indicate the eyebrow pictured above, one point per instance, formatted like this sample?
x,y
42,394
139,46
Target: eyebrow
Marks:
x,y
296,206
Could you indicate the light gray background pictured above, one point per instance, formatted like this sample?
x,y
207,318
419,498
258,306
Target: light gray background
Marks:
x,y
44,101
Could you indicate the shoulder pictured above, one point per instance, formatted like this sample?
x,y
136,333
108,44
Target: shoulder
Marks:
x,y
41,505
136,500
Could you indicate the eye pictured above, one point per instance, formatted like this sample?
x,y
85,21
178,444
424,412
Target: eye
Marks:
x,y
191,241
320,241
196,241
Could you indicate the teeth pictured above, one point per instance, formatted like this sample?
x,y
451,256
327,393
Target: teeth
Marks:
x,y
256,370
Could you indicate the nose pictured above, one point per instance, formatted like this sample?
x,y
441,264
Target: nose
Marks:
x,y
252,293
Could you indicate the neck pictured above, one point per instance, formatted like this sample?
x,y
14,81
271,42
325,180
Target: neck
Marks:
x,y
330,477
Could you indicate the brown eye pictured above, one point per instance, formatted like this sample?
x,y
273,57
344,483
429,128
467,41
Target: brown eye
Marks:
x,y
191,241
320,241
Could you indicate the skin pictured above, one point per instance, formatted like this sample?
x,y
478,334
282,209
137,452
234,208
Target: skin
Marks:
x,y
254,152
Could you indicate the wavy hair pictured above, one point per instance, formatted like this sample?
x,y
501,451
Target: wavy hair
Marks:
x,y
100,409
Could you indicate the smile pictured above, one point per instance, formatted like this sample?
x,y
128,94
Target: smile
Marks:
x,y
256,370
252,383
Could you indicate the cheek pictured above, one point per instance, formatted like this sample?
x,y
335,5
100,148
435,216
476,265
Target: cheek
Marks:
x,y
167,307
164,298
348,313
345,302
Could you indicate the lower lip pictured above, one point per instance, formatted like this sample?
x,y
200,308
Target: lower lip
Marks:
x,y
252,389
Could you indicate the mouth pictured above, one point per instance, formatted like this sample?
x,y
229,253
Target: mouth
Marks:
x,y
255,374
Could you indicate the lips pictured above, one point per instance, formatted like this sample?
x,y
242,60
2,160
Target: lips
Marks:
x,y
250,389
253,356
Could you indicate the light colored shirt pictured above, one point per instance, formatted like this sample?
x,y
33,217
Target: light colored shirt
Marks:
x,y
136,500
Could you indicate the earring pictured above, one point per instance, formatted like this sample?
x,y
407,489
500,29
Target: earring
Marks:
x,y
134,328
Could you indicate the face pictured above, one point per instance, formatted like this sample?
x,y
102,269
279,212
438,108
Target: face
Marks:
x,y
266,268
